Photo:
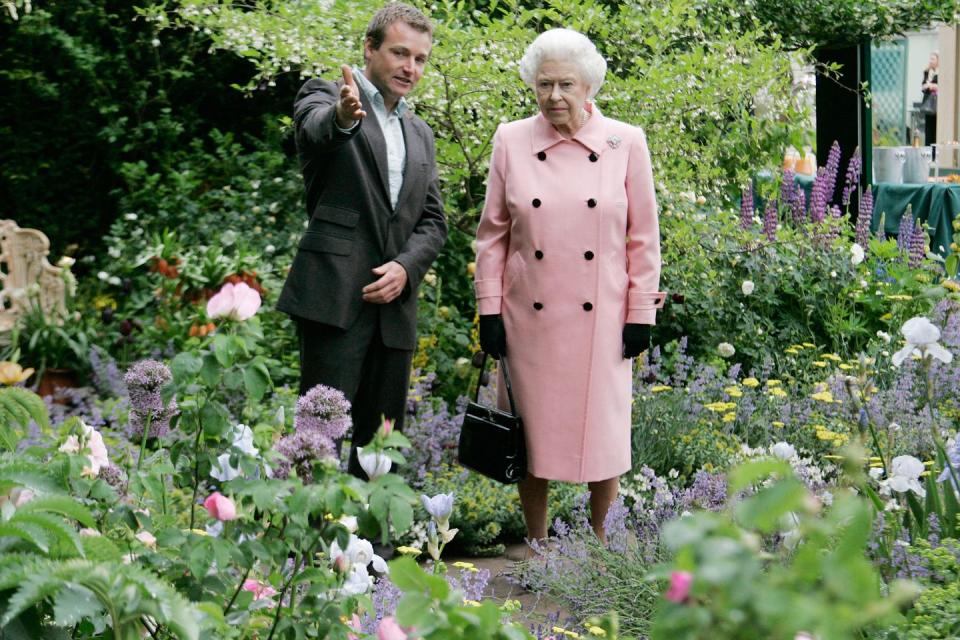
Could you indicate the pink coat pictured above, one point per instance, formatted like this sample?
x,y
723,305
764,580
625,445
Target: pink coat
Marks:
x,y
568,250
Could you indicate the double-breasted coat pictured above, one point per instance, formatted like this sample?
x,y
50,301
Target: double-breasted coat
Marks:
x,y
568,251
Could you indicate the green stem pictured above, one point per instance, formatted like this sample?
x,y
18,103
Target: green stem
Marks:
x,y
143,440
276,617
196,471
236,593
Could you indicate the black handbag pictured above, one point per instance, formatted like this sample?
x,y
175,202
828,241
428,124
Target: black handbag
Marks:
x,y
928,106
491,440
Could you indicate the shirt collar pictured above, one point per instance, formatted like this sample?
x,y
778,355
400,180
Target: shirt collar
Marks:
x,y
373,94
590,135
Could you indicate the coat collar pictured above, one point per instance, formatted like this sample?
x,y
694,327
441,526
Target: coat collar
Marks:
x,y
592,135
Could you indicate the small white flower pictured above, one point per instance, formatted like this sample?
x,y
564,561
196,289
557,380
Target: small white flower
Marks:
x,y
66,262
102,275
114,280
130,216
856,254
114,252
350,522
883,335
375,464
87,532
747,287
875,473
726,350
921,336
833,274
269,249
155,42
783,450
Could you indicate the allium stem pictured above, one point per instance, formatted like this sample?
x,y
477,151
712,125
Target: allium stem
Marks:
x,y
143,440
196,471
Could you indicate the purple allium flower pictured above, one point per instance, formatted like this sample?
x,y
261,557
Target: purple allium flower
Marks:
x,y
788,186
853,175
144,381
918,245
832,169
906,230
323,409
864,218
818,197
770,220
115,477
798,206
300,450
746,207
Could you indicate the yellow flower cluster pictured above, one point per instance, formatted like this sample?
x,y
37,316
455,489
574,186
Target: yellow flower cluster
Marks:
x,y
951,285
753,383
733,392
827,435
729,417
777,392
569,634
660,388
720,407
824,396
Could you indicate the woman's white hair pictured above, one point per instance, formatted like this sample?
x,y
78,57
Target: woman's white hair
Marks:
x,y
564,45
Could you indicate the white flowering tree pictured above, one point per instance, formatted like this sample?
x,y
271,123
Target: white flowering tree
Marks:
x,y
712,87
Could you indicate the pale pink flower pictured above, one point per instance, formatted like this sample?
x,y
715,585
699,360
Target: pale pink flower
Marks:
x,y
680,582
147,539
390,630
234,301
220,507
355,625
17,497
259,589
91,440
387,426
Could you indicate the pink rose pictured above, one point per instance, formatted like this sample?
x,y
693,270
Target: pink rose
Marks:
x,y
234,301
390,630
220,507
355,625
259,589
680,582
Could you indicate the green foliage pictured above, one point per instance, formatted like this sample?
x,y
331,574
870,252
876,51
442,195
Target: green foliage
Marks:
x,y
936,612
89,87
844,22
826,587
434,611
690,73
115,595
17,408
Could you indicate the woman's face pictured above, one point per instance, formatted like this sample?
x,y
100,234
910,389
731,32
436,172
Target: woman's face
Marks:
x,y
561,93
934,61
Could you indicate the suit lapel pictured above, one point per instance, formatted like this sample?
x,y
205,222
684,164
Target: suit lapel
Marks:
x,y
416,157
373,134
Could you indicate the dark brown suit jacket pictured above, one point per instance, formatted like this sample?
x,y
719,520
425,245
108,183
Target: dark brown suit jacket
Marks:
x,y
352,226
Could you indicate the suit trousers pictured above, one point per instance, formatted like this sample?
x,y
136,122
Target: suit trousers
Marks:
x,y
372,376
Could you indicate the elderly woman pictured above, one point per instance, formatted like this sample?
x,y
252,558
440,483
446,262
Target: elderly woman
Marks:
x,y
568,271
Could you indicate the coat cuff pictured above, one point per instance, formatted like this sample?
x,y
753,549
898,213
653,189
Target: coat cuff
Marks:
x,y
489,295
642,306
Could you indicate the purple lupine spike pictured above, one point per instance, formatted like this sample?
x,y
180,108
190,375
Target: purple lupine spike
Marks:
x,y
746,207
770,220
833,168
864,218
787,186
853,176
833,230
818,196
906,229
799,206
918,245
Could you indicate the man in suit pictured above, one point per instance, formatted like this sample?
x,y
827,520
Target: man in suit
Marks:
x,y
376,224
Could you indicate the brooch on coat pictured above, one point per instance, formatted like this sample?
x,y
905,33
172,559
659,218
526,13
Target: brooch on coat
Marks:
x,y
614,141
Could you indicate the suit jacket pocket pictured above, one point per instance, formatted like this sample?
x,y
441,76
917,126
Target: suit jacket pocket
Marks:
x,y
339,216
324,243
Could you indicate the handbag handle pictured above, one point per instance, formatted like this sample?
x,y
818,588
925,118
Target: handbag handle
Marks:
x,y
506,378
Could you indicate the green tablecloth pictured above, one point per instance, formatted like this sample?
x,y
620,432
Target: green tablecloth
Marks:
x,y
935,203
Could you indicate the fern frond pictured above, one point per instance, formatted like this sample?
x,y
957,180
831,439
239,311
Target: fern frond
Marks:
x,y
62,505
58,528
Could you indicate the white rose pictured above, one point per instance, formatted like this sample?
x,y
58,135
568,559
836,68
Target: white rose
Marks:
x,y
726,350
747,287
856,254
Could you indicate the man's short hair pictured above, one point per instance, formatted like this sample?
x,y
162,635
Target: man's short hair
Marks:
x,y
391,13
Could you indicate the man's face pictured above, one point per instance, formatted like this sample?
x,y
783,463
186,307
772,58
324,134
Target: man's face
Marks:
x,y
397,66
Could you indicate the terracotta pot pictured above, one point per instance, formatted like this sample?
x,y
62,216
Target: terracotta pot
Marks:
x,y
53,379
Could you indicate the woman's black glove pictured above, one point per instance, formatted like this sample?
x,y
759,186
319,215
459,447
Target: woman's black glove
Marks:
x,y
493,337
636,339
